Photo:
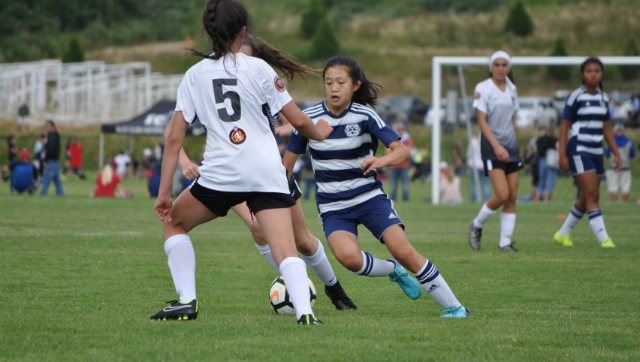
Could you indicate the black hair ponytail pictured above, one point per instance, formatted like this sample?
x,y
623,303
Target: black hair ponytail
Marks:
x,y
593,60
367,94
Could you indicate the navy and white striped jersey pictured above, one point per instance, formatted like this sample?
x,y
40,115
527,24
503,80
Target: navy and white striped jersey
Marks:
x,y
337,160
587,113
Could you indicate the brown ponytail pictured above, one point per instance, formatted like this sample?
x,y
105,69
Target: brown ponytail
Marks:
x,y
276,58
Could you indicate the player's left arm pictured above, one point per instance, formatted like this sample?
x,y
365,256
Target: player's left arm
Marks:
x,y
611,141
399,154
284,130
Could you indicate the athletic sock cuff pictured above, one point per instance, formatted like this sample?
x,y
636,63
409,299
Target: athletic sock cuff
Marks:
x,y
315,258
594,213
263,249
175,240
427,273
487,209
367,264
576,212
290,260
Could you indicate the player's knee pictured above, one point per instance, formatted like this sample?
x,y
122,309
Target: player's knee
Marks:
x,y
257,233
502,196
353,262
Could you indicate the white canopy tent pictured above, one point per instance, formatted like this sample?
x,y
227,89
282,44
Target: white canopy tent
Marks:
x,y
436,91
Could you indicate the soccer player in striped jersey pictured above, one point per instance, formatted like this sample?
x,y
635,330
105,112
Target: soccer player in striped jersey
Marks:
x,y
349,192
310,248
586,113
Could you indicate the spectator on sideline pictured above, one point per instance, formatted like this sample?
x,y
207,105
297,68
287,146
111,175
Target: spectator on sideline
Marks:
x,y
548,164
122,161
635,109
108,183
23,160
401,171
148,162
23,116
476,166
450,187
37,152
51,160
76,164
67,155
531,158
620,113
12,154
620,180
458,158
421,164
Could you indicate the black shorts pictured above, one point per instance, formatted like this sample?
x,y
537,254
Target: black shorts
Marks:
x,y
508,167
219,202
294,189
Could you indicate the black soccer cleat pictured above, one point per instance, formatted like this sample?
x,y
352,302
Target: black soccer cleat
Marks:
x,y
475,236
178,311
339,297
309,320
508,248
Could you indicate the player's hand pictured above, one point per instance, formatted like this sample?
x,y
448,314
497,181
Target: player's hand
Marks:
x,y
324,129
564,163
372,163
284,131
191,171
618,162
502,154
162,207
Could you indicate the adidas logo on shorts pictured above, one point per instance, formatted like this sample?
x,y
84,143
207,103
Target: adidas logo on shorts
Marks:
x,y
392,216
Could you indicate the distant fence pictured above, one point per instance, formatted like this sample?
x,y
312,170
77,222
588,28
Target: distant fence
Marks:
x,y
84,93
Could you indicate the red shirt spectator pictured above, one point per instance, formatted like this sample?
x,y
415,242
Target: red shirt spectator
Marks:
x,y
75,158
407,141
108,185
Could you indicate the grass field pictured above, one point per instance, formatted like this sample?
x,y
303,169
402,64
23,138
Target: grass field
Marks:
x,y
79,278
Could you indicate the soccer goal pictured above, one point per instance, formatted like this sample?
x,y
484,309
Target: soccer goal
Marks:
x,y
460,62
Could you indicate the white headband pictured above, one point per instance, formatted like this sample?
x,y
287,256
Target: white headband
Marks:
x,y
497,55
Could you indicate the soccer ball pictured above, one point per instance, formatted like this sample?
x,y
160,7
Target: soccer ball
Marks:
x,y
279,297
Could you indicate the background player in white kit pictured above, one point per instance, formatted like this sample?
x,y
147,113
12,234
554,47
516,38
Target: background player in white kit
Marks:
x,y
496,101
227,92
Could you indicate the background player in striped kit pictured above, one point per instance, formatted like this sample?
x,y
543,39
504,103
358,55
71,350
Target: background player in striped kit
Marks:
x,y
587,114
310,248
349,192
241,161
496,101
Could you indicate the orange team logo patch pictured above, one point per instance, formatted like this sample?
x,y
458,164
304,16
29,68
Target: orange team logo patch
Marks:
x,y
279,84
237,136
477,95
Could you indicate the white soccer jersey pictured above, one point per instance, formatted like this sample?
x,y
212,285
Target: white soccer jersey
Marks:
x,y
499,107
232,101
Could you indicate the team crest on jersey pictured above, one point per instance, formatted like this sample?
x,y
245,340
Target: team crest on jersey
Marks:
x,y
352,130
478,96
279,84
237,136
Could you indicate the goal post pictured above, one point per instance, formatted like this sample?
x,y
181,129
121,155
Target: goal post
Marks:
x,y
436,94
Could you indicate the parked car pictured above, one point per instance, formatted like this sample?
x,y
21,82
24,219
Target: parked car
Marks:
x,y
413,106
559,100
461,118
536,112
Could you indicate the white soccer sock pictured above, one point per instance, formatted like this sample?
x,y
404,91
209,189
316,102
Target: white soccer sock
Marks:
x,y
507,225
320,265
294,272
597,225
182,262
373,267
572,220
266,252
434,284
483,216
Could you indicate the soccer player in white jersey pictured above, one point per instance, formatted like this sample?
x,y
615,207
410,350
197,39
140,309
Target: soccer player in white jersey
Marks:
x,y
310,248
496,102
587,114
226,91
349,192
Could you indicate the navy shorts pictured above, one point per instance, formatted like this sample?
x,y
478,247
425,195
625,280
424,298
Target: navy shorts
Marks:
x,y
376,214
580,163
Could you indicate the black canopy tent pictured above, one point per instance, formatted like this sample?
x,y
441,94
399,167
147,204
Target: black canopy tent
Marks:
x,y
150,123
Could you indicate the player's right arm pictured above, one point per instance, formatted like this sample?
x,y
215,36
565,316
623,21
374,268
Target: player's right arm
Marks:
x,y
501,152
562,147
304,125
189,169
289,160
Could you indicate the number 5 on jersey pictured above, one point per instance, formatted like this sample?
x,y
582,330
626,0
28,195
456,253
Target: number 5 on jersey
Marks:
x,y
233,96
